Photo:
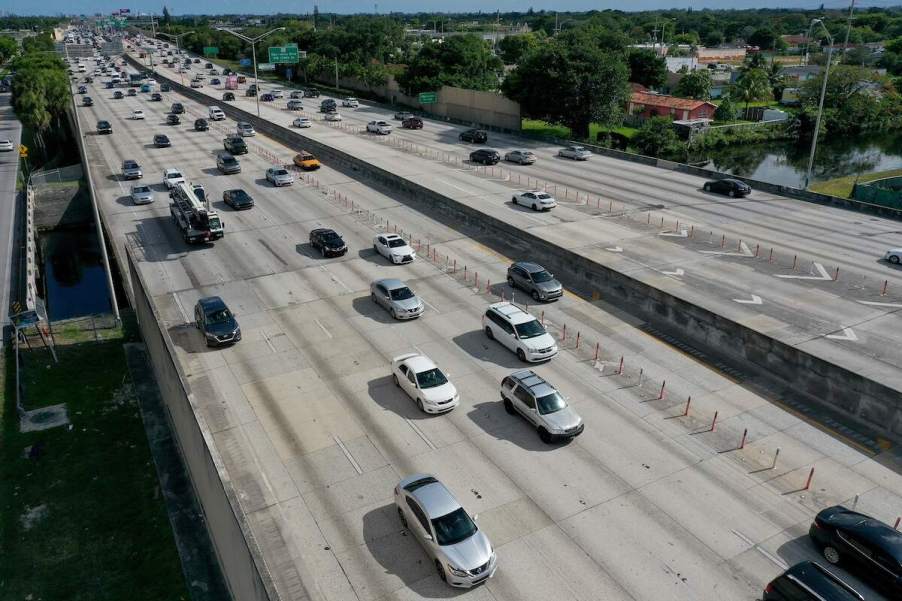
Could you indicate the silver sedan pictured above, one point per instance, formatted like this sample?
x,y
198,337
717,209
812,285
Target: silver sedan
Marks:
x,y
523,157
394,296
577,153
142,194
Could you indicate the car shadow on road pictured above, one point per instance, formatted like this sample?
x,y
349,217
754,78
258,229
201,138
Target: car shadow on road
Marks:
x,y
476,344
211,171
187,337
365,306
495,421
390,397
397,553
370,254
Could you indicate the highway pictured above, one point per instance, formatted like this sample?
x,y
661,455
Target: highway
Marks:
x,y
646,504
10,127
807,275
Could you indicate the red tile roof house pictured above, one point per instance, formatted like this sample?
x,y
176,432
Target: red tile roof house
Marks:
x,y
644,105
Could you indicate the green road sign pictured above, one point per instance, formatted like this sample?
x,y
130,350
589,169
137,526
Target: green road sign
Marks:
x,y
285,55
428,97
211,50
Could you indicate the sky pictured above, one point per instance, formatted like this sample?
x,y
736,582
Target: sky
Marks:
x,y
177,7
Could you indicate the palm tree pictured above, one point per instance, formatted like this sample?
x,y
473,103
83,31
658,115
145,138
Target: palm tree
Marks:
x,y
752,86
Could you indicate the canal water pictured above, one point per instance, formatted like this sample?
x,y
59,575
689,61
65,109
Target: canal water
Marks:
x,y
74,282
785,163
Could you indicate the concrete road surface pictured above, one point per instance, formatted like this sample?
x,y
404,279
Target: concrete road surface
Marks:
x,y
10,128
645,505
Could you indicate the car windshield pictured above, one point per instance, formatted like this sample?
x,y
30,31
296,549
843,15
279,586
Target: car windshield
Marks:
x,y
401,293
396,243
140,189
453,528
173,175
332,238
550,403
161,138
219,315
432,378
542,276
280,172
130,164
529,329
229,160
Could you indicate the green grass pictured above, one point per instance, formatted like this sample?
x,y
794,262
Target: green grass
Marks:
x,y
842,186
103,533
540,128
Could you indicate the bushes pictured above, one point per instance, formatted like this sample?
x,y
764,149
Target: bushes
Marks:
x,y
751,134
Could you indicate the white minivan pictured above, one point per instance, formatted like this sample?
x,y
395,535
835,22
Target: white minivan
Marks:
x,y
520,332
216,114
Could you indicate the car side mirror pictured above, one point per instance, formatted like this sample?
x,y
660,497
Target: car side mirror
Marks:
x,y
475,516
427,536
533,409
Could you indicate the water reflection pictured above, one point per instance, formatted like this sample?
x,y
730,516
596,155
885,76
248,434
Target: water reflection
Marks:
x,y
74,279
785,163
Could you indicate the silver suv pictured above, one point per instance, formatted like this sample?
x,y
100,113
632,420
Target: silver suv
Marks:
x,y
519,331
396,298
535,280
526,393
461,553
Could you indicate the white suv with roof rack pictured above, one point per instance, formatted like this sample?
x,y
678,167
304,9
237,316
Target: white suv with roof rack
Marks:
x,y
519,331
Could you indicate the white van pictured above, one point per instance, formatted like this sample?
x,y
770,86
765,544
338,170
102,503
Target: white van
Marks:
x,y
216,113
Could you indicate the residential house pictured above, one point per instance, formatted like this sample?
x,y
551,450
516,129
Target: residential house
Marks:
x,y
720,55
644,105
795,42
799,73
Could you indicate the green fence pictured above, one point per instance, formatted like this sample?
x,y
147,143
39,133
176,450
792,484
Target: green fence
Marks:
x,y
886,192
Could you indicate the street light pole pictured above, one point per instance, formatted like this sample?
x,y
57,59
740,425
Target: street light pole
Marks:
x,y
820,106
253,42
178,50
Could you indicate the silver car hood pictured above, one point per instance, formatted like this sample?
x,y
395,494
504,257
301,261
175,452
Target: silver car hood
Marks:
x,y
470,553
564,419
407,303
550,286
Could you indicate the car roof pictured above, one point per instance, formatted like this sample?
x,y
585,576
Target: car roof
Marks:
x,y
434,498
211,302
822,581
534,382
391,283
420,363
529,267
391,236
514,314
323,230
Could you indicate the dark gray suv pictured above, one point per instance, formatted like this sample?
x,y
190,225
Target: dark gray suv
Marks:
x,y
535,280
227,164
213,318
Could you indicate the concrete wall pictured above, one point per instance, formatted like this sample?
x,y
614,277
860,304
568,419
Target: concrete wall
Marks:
x,y
246,575
860,399
489,109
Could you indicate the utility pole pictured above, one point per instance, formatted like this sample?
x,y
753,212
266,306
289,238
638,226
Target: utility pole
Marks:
x,y
336,71
845,46
820,106
253,43
178,49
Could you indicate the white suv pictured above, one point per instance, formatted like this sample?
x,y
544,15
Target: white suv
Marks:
x,y
520,332
216,113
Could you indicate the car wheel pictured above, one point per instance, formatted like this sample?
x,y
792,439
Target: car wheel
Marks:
x,y
706,187
510,281
731,194
509,407
535,295
322,250
420,405
894,259
545,436
521,355
534,208
831,555
488,333
402,518
441,571
393,314
514,200
394,378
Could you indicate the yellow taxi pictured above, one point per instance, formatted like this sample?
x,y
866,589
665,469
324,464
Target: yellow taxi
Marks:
x,y
306,161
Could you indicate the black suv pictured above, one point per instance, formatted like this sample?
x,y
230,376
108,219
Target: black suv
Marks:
x,y
117,94
201,124
412,123
104,127
865,546
311,93
486,156
164,87
476,136
177,108
156,97
227,164
235,145
87,101
213,318
808,581
228,96
161,141
173,119
328,242
237,199
328,106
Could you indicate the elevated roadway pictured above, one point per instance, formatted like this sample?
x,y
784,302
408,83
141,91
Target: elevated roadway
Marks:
x,y
647,504
806,275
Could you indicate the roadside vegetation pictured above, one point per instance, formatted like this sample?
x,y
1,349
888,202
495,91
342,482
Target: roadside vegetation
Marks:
x,y
842,186
81,512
